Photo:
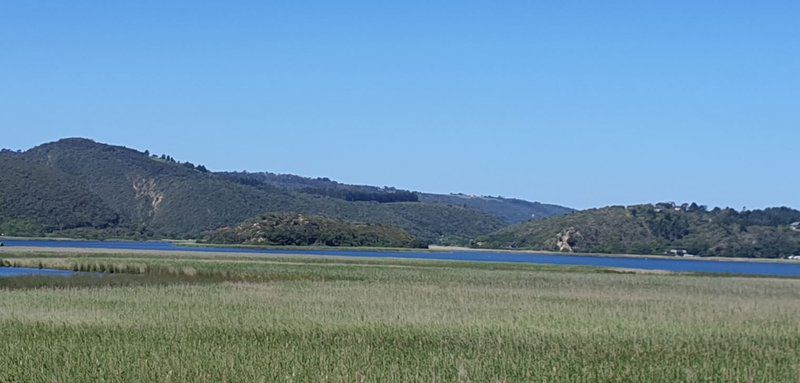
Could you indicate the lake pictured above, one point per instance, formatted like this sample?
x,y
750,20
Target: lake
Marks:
x,y
24,271
691,265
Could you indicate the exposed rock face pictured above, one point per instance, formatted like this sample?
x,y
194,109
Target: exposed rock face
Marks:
x,y
567,238
145,189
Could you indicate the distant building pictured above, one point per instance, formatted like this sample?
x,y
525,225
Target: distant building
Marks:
x,y
795,226
679,253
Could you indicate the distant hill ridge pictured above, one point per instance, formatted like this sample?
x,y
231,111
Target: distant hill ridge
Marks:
x,y
77,187
658,229
510,210
323,186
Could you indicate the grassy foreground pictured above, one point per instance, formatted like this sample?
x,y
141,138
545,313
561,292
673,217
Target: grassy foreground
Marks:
x,y
189,318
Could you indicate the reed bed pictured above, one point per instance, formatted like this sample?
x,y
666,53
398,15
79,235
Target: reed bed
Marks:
x,y
287,319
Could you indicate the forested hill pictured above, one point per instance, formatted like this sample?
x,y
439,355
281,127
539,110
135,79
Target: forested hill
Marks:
x,y
37,199
301,230
78,187
656,229
509,210
322,186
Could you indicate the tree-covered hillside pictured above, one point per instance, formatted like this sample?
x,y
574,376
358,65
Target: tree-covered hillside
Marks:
x,y
152,196
656,229
323,186
37,200
301,230
510,210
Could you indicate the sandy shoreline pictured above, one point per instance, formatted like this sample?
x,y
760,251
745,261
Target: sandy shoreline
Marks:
x,y
431,249
605,255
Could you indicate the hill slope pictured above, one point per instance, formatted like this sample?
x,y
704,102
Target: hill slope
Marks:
x,y
36,200
655,229
152,195
323,187
158,197
508,210
300,230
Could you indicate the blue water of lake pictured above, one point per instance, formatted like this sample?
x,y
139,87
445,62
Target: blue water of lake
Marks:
x,y
24,271
695,265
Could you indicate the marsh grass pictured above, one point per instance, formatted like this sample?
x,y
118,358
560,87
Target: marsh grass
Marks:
x,y
291,319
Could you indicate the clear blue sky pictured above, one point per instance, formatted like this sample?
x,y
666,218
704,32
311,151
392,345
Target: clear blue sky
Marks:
x,y
584,103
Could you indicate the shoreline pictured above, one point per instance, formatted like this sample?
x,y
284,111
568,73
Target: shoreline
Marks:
x,y
620,255
431,249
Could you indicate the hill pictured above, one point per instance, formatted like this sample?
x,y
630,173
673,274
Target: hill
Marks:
x,y
323,186
656,229
153,197
300,230
147,196
36,200
509,210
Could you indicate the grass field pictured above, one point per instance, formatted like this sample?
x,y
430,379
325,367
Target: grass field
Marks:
x,y
190,317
